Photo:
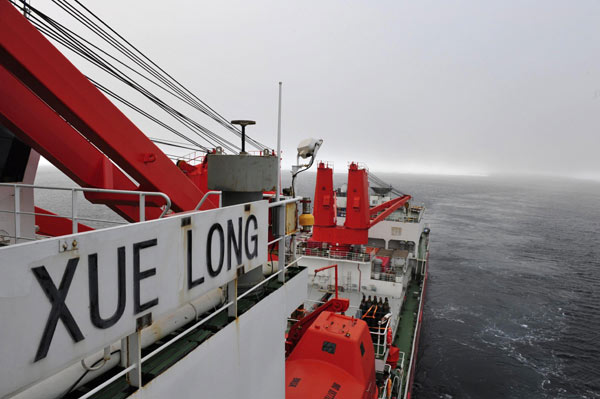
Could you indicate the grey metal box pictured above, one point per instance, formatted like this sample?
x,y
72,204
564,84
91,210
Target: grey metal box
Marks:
x,y
242,173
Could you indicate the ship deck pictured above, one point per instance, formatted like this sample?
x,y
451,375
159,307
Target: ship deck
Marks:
x,y
315,297
403,337
121,389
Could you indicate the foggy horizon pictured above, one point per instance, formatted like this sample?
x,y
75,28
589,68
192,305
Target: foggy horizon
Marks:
x,y
457,88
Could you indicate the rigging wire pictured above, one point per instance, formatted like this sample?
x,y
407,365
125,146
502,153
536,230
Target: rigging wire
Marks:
x,y
380,182
81,50
187,95
208,110
62,35
171,143
144,113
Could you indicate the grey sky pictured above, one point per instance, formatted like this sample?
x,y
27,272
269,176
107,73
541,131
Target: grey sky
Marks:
x,y
419,86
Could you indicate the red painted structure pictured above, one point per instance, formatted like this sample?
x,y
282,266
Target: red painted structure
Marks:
x,y
79,130
52,225
334,359
300,327
359,216
325,200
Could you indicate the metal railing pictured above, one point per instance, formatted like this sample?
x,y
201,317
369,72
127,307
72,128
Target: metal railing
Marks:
x,y
386,391
393,273
206,195
193,158
326,253
310,305
319,303
415,215
360,165
327,164
379,335
75,218
137,363
134,364
401,360
197,157
403,218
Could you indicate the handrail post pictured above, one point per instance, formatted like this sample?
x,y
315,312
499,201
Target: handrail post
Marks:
x,y
142,207
74,210
134,358
232,296
17,213
205,196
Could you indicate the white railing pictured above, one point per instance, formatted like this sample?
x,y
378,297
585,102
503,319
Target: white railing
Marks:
x,y
379,335
134,360
139,362
411,217
135,364
206,195
387,391
74,217
319,303
344,255
193,158
401,360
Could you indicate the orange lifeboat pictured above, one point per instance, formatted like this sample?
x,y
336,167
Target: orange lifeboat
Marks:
x,y
334,359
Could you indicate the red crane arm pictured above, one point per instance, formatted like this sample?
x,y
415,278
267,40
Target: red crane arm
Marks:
x,y
54,226
381,207
389,206
30,57
71,153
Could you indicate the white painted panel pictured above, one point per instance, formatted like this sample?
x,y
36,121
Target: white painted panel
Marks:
x,y
246,359
346,267
161,250
296,292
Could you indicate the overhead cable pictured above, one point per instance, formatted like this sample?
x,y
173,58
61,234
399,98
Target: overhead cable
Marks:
x,y
149,66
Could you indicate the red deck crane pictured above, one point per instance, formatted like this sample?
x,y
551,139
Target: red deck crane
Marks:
x,y
79,130
359,216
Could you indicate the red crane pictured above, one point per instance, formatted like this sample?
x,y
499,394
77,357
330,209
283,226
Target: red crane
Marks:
x,y
79,130
359,216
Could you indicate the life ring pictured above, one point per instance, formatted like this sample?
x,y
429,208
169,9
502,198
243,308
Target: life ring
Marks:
x,y
389,388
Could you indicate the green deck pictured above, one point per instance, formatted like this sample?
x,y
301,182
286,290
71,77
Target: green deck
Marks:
x,y
120,389
408,320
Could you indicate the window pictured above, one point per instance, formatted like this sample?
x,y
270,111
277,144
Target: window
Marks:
x,y
328,347
294,382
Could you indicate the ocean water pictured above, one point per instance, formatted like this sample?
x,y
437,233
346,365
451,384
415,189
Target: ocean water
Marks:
x,y
513,302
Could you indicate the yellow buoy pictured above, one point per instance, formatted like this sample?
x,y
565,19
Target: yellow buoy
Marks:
x,y
307,219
